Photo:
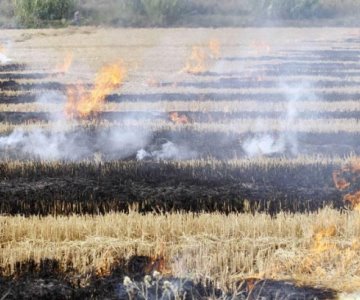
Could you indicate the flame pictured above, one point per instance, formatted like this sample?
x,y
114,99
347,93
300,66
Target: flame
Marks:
x,y
321,237
199,58
152,82
214,46
261,47
82,103
196,63
353,199
176,118
66,64
3,58
340,183
158,264
345,178
321,250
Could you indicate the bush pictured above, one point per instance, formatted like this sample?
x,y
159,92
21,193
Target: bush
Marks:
x,y
290,9
157,12
34,13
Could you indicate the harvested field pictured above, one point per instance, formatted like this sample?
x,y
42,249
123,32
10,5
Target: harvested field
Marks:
x,y
148,151
315,249
268,185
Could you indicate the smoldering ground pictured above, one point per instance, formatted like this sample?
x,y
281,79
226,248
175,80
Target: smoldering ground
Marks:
x,y
67,139
64,139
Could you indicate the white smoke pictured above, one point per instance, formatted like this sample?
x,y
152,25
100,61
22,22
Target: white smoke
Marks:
x,y
5,46
4,59
263,145
167,151
37,143
287,140
63,141
58,144
352,296
143,154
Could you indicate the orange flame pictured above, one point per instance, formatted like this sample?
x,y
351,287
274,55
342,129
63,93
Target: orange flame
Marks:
x,y
66,64
345,178
196,63
81,103
2,49
261,47
353,199
152,82
214,46
322,247
158,264
178,119
321,237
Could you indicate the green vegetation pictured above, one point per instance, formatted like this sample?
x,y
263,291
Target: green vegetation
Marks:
x,y
157,12
289,9
189,13
34,13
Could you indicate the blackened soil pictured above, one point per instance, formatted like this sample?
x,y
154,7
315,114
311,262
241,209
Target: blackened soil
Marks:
x,y
198,117
158,187
46,281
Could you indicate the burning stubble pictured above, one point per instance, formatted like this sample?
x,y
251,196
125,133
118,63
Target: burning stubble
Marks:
x,y
325,250
201,58
179,119
82,103
215,48
66,138
64,67
347,180
3,58
196,63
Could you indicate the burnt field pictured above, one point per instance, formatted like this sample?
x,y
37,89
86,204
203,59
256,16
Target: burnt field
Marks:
x,y
36,188
257,99
226,160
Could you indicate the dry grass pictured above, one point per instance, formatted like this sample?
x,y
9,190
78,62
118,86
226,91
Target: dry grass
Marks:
x,y
28,168
319,249
198,106
235,126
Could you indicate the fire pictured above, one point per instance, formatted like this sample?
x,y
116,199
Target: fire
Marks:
x,y
66,64
3,58
196,63
82,103
200,57
353,199
177,118
345,179
214,46
322,248
152,82
157,264
321,237
261,47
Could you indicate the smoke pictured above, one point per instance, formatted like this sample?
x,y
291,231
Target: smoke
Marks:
x,y
167,151
286,142
4,59
71,141
352,296
263,145
75,144
64,140
4,48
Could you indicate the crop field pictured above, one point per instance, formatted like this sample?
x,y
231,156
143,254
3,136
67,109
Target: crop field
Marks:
x,y
224,160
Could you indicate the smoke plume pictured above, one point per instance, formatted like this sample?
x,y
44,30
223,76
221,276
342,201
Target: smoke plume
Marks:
x,y
286,141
